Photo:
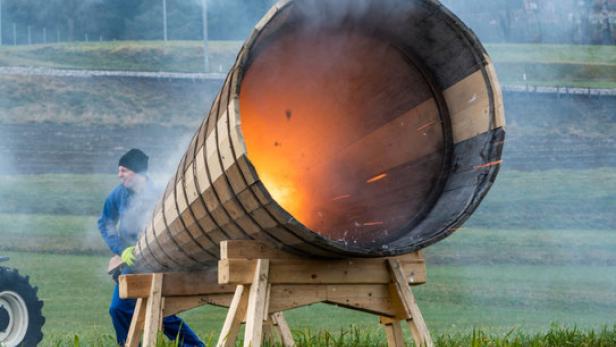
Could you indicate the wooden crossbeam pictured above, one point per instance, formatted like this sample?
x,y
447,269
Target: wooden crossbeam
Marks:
x,y
174,284
292,271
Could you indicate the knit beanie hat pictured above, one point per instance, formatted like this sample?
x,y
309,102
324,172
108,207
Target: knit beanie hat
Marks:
x,y
134,160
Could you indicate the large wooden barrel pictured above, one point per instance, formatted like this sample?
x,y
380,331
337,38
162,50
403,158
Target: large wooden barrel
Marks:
x,y
346,128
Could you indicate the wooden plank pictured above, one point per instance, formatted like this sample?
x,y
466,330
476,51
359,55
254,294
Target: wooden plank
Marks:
x,y
372,298
136,324
286,297
393,330
283,329
251,249
174,284
469,107
256,311
134,286
499,107
268,338
221,300
291,271
153,313
233,321
418,326
179,304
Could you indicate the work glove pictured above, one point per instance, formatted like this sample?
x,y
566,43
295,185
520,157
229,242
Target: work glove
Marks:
x,y
128,257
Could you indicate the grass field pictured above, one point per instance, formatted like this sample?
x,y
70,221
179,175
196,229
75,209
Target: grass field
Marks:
x,y
172,56
104,101
496,298
516,275
542,64
63,208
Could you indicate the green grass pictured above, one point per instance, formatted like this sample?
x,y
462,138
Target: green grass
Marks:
x,y
172,56
543,64
550,199
568,200
104,101
66,194
457,299
64,234
552,216
497,274
356,337
550,53
555,65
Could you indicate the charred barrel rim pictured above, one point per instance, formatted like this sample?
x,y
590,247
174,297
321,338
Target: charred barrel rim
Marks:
x,y
472,44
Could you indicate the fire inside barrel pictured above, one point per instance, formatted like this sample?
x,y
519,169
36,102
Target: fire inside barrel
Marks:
x,y
346,128
344,136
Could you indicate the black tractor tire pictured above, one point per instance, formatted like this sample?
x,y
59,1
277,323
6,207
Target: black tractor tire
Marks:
x,y
20,297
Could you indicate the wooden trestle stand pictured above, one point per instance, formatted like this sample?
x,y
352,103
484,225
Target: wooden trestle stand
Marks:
x,y
258,283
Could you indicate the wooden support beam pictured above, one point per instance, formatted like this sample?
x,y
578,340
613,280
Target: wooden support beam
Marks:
x,y
235,315
418,326
291,271
256,311
269,339
136,324
153,313
280,323
179,304
393,331
174,284
268,325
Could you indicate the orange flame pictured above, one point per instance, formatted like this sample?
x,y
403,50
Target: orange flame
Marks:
x,y
315,142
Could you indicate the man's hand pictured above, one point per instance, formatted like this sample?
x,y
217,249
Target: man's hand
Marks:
x,y
128,257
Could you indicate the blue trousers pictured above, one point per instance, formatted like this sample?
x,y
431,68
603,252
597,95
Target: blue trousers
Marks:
x,y
121,311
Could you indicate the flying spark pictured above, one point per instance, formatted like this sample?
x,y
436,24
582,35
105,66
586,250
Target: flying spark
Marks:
x,y
376,178
425,126
490,164
341,197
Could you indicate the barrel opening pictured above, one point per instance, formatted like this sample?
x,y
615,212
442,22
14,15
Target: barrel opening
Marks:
x,y
344,131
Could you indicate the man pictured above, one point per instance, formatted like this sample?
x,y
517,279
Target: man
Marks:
x,y
124,216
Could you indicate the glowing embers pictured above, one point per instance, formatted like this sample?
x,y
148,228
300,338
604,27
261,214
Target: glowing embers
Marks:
x,y
344,133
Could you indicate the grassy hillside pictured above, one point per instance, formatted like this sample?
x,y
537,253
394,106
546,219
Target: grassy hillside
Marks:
x,y
25,99
546,53
553,65
173,56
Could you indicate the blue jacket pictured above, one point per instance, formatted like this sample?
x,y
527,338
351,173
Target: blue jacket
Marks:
x,y
125,215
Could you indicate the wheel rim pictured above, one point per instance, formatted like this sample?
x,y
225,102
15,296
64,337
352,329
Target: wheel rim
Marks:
x,y
18,319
